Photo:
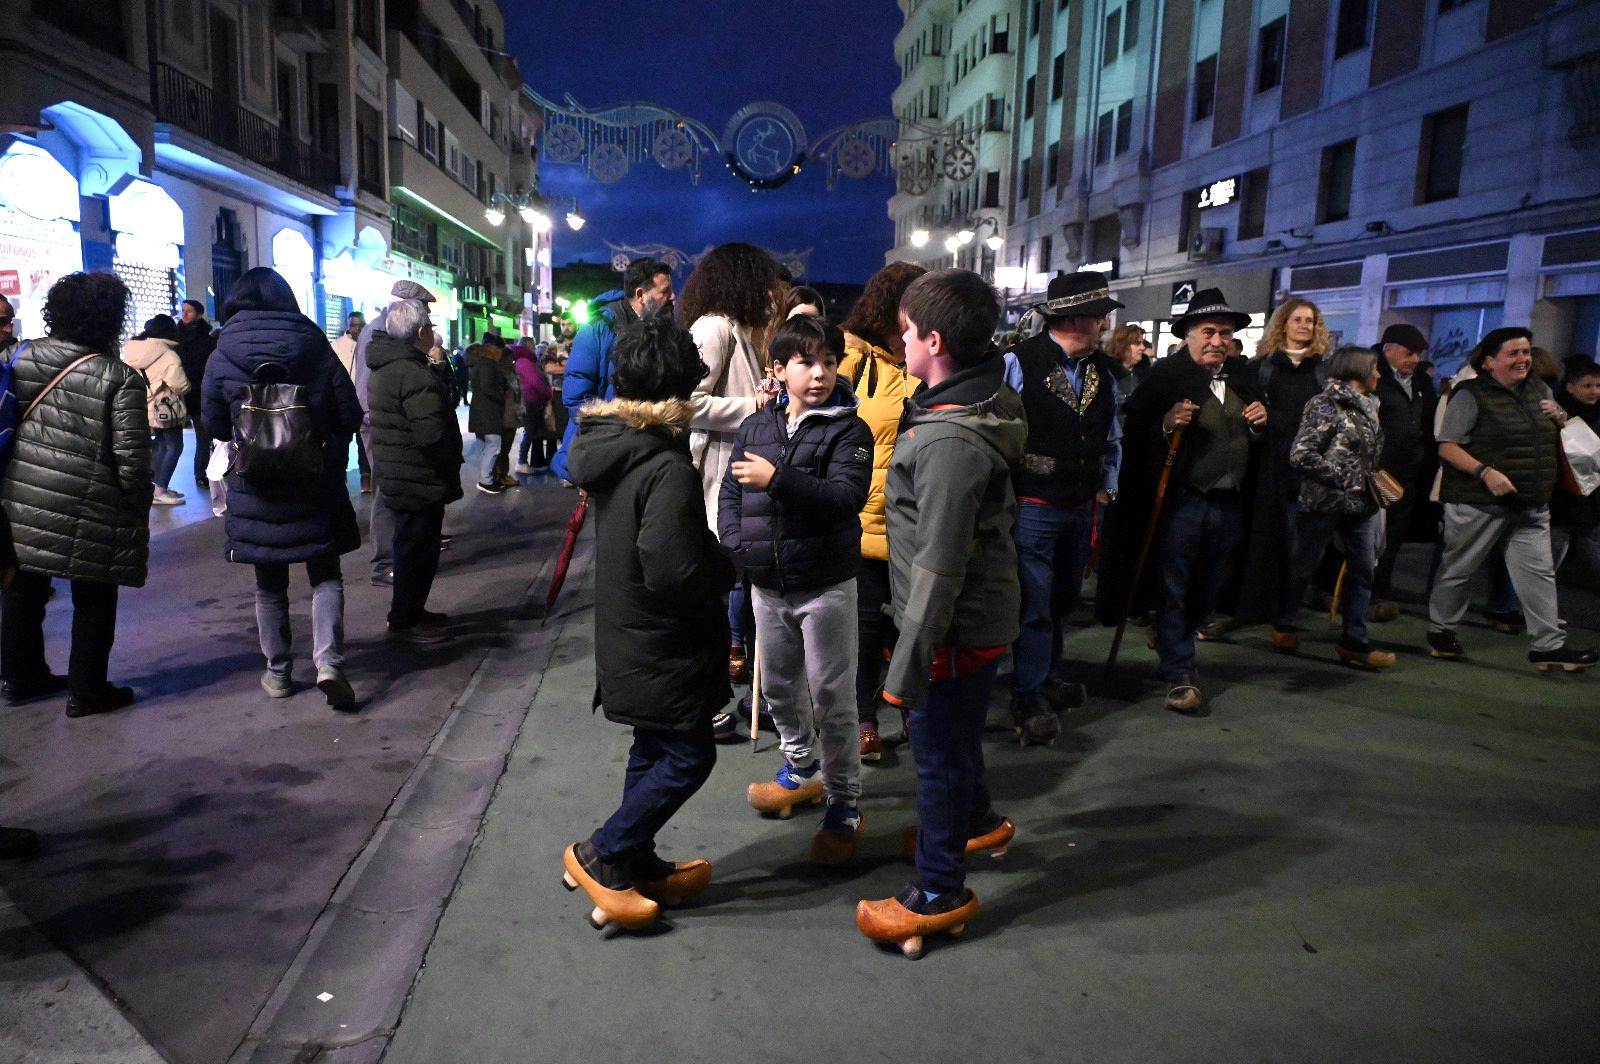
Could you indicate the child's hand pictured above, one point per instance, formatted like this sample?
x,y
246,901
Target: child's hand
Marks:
x,y
755,472
769,389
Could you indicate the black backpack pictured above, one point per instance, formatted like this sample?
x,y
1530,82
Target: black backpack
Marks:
x,y
274,438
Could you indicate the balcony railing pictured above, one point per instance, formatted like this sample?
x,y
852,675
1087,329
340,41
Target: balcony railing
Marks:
x,y
192,105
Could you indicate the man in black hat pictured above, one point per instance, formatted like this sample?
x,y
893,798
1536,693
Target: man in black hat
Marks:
x,y
1212,398
1406,401
1069,469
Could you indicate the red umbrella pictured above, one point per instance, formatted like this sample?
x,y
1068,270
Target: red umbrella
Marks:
x,y
564,556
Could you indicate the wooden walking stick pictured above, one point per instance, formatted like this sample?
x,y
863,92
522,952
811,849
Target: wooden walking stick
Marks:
x,y
1334,607
1144,547
755,694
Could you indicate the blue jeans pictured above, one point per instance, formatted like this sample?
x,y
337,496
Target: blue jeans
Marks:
x,y
1199,554
1053,544
487,455
665,769
166,448
1358,538
327,614
953,801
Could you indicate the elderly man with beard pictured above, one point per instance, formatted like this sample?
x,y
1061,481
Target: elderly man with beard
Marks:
x,y
1499,444
1211,397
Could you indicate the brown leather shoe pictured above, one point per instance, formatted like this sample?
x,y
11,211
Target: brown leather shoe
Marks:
x,y
1385,611
1364,658
1288,642
871,745
1184,696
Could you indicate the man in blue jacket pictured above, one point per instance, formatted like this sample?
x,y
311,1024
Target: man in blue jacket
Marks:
x,y
646,290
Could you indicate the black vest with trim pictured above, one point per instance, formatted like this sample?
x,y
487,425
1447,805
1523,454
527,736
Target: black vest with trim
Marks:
x,y
1065,455
1511,435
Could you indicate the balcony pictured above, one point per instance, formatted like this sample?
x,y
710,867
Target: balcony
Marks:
x,y
305,25
191,105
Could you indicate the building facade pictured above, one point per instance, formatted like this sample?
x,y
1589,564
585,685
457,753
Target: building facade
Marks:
x,y
1426,161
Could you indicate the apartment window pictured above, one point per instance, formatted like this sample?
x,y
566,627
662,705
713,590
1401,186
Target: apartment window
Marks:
x,y
1444,142
1105,234
366,21
1338,174
1130,25
991,188
1061,5
1027,95
995,115
1253,205
1104,137
933,101
1058,76
1000,34
1033,20
1052,166
1205,87
1269,55
1022,181
1451,5
1124,126
1113,37
1350,34
369,147
1189,219
1045,251
101,25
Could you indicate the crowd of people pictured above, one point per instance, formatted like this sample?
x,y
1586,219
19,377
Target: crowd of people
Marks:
x,y
860,518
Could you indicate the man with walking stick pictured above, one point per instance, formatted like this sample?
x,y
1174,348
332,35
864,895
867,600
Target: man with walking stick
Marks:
x,y
1201,397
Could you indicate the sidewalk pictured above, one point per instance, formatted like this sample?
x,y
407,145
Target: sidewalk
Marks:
x,y
195,840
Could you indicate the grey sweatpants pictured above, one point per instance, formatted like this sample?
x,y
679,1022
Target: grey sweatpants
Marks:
x,y
1470,534
806,640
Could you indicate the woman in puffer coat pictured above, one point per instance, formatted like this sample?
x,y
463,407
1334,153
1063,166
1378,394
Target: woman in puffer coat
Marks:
x,y
154,353
76,493
271,525
486,411
1335,452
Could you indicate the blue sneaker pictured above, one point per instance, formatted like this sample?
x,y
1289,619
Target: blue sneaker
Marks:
x,y
836,840
790,787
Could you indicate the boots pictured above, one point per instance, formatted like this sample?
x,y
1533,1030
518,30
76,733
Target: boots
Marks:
x,y
1034,721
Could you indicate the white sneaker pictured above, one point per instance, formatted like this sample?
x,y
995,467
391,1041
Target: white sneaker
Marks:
x,y
525,469
164,497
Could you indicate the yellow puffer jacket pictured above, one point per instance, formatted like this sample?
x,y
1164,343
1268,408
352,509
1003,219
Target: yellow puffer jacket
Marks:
x,y
882,387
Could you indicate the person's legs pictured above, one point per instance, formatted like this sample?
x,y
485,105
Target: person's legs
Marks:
x,y
1073,547
1222,538
22,609
872,594
949,754
381,529
272,617
665,769
487,456
1312,536
1038,529
416,562
783,656
1360,539
327,612
202,444
1180,550
1285,519
1470,533
166,449
1534,577
94,630
1396,519
363,465
1561,537
1502,592
828,636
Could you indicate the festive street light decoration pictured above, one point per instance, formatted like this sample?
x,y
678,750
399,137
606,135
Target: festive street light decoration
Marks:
x,y
919,238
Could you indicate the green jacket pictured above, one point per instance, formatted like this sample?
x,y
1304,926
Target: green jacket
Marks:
x,y
950,511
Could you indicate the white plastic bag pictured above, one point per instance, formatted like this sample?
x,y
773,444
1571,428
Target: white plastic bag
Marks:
x,y
1583,453
216,472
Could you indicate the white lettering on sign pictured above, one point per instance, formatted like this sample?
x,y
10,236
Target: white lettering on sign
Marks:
x,y
1219,193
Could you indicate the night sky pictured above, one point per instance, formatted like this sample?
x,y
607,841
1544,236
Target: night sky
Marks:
x,y
831,62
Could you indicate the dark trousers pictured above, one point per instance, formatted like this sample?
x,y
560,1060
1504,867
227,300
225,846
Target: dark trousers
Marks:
x,y
1396,519
362,463
532,435
94,630
416,562
202,447
1358,535
874,633
1053,546
1199,556
665,769
953,801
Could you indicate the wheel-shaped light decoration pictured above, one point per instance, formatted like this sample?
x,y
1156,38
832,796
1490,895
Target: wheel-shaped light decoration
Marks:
x,y
608,164
959,162
673,150
764,145
563,143
855,157
916,175
619,262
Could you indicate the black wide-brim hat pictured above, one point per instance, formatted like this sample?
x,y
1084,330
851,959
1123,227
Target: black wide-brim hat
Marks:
x,y
1078,295
1208,303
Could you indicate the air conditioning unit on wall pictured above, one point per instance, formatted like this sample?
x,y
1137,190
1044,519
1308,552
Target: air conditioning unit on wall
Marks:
x,y
1206,244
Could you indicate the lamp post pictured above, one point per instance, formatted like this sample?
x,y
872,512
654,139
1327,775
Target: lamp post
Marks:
x,y
536,210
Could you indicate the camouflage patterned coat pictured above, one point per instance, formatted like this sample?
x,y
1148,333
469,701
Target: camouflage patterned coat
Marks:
x,y
1336,449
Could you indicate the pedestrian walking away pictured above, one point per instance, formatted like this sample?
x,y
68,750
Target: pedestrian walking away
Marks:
x,y
154,354
196,341
346,347
659,616
299,517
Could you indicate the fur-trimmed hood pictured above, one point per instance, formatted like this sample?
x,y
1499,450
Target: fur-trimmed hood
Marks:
x,y
616,435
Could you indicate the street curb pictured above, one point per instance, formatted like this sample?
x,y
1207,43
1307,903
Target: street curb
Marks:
x,y
367,946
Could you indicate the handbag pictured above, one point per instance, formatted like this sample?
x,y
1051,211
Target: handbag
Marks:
x,y
1386,490
169,411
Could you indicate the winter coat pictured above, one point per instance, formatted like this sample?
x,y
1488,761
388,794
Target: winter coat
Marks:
x,y
487,414
535,386
511,415
725,396
950,510
78,486
1580,512
163,374
588,373
1336,450
196,341
804,532
1407,420
307,519
344,348
882,386
661,579
416,442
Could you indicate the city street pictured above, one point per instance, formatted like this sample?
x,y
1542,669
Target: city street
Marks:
x,y
1327,866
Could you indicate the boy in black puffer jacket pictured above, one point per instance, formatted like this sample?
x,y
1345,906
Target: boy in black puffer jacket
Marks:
x,y
788,509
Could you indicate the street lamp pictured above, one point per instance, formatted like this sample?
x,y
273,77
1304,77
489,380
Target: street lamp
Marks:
x,y
575,221
919,238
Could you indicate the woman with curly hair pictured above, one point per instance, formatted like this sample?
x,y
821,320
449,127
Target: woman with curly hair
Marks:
x,y
1129,347
1291,372
77,493
874,364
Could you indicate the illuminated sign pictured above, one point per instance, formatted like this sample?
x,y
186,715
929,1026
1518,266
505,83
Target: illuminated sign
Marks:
x,y
1105,266
1219,193
1010,276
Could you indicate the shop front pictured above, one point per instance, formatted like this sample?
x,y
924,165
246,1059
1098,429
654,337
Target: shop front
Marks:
x,y
147,226
39,241
1154,305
